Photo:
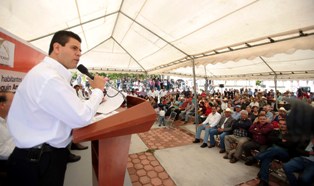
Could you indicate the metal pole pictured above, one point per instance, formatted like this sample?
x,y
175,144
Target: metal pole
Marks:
x,y
275,80
195,96
275,94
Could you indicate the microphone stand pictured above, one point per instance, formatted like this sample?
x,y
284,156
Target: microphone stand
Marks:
x,y
118,92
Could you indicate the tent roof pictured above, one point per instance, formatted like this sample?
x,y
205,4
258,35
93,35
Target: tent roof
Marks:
x,y
225,39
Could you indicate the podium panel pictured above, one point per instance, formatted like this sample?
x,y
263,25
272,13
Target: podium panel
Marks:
x,y
111,139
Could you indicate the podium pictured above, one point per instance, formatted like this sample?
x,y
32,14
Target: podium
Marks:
x,y
110,139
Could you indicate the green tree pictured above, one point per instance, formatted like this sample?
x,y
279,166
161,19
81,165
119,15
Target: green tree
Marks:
x,y
258,82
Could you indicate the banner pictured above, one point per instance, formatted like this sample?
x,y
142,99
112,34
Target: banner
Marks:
x,y
10,80
16,54
7,53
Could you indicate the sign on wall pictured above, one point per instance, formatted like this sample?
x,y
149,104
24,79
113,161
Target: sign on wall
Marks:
x,y
17,54
7,53
10,80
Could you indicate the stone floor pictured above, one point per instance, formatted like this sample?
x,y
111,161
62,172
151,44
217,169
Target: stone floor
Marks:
x,y
145,169
157,162
159,138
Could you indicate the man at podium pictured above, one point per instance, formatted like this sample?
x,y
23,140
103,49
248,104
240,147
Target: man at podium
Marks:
x,y
44,112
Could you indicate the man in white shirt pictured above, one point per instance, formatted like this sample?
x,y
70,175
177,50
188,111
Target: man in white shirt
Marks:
x,y
44,112
224,104
153,93
6,140
222,129
163,92
211,121
254,102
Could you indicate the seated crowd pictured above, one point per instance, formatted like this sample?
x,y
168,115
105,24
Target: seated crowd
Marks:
x,y
248,127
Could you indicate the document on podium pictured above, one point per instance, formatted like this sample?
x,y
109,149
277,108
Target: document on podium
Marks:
x,y
110,104
102,116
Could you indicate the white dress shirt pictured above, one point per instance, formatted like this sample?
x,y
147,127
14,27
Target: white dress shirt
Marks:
x,y
212,119
6,141
46,108
224,106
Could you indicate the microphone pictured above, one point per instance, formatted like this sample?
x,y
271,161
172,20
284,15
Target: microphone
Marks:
x,y
84,70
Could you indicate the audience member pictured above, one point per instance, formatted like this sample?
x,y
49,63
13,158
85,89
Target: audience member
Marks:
x,y
259,131
254,102
183,104
222,129
210,122
162,114
269,114
6,141
262,102
208,110
189,110
224,104
304,165
281,112
283,147
236,114
240,136
250,113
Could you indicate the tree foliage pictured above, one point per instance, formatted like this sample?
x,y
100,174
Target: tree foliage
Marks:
x,y
114,76
258,82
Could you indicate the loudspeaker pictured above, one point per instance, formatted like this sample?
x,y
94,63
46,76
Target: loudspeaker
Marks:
x,y
221,85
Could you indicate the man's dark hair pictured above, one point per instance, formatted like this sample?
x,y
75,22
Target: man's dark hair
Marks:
x,y
62,37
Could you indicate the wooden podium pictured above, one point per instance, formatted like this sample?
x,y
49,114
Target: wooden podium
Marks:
x,y
111,138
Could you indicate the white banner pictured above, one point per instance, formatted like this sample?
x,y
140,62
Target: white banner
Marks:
x,y
10,80
7,53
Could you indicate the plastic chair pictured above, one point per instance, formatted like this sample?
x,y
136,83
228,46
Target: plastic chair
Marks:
x,y
170,119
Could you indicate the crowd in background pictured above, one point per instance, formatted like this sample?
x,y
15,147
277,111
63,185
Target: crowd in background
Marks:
x,y
257,131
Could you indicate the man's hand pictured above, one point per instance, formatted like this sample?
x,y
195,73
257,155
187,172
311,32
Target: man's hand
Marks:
x,y
98,82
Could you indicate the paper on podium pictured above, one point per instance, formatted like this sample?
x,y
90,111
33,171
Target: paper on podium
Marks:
x,y
111,103
102,116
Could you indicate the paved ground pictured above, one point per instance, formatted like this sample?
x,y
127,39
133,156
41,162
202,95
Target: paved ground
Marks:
x,y
164,156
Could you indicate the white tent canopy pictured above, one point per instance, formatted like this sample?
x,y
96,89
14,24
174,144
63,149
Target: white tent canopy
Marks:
x,y
236,39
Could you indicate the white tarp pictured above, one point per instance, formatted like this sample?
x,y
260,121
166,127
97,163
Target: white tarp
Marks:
x,y
234,39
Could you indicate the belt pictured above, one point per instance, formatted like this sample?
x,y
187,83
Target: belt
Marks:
x,y
34,154
42,147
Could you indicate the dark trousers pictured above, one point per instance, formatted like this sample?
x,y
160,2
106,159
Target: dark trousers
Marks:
x,y
3,172
49,170
267,156
252,145
304,167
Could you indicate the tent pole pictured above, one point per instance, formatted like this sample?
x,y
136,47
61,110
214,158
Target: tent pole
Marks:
x,y
206,81
275,93
275,80
195,96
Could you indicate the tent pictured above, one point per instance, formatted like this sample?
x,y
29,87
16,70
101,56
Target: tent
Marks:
x,y
235,39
